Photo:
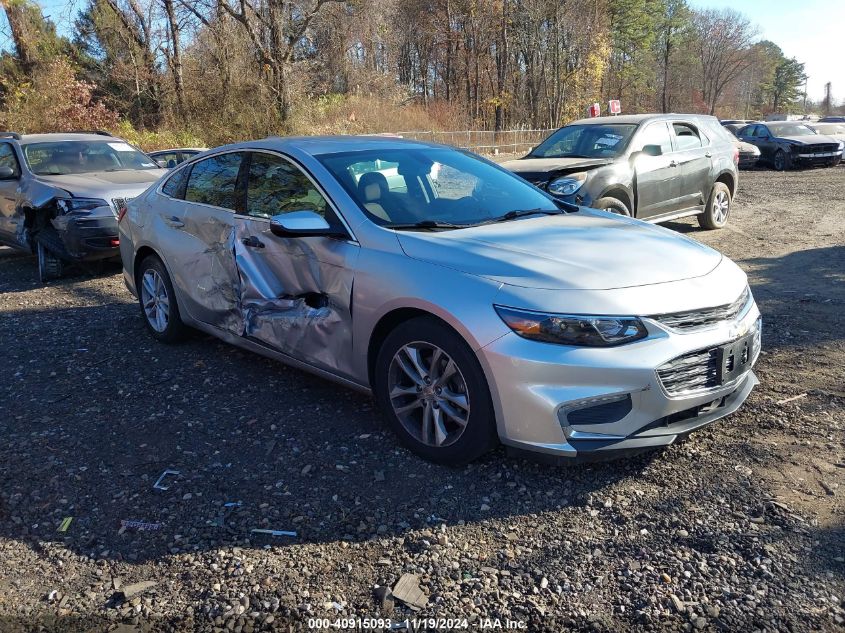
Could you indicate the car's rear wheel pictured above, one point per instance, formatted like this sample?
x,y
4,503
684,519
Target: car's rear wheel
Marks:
x,y
718,208
614,205
782,160
48,246
432,390
158,301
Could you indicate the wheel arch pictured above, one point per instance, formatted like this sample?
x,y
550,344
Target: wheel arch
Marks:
x,y
729,180
389,322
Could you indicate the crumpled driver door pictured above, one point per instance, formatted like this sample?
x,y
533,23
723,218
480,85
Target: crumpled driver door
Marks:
x,y
295,293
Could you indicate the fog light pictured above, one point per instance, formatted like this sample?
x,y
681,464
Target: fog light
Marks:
x,y
598,410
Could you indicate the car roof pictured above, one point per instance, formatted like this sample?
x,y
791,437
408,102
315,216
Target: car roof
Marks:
x,y
636,119
316,145
178,149
56,137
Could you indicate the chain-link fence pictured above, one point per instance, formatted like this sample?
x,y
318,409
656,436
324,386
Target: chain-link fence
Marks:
x,y
483,141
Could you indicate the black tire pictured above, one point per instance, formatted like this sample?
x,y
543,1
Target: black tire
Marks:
x,y
49,250
715,214
174,329
479,433
782,161
614,205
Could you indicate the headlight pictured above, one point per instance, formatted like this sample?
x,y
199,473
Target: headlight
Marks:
x,y
841,144
75,205
567,185
573,329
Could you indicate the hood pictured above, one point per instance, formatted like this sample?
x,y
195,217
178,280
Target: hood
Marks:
x,y
587,250
552,165
816,139
105,184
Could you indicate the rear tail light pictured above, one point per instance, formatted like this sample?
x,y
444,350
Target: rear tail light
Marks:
x,y
114,242
736,156
121,213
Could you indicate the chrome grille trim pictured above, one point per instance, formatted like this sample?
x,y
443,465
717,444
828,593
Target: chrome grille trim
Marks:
x,y
695,373
695,320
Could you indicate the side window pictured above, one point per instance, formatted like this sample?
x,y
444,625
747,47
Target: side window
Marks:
x,y
213,181
8,158
276,186
655,134
686,136
175,185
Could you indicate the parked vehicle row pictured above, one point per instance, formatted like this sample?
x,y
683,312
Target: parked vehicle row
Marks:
x,y
788,144
475,306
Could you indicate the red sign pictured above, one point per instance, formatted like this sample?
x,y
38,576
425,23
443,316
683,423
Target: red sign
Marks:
x,y
594,110
614,106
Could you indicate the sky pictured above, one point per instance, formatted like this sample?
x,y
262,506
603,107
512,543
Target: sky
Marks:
x,y
813,31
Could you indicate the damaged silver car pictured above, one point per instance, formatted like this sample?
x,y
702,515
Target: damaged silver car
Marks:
x,y
60,194
474,306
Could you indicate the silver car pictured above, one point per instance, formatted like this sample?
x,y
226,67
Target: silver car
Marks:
x,y
474,306
60,194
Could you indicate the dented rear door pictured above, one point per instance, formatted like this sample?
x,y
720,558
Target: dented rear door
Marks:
x,y
295,293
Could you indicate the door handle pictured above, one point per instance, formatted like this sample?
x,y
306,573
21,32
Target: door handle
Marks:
x,y
252,242
707,154
175,222
673,164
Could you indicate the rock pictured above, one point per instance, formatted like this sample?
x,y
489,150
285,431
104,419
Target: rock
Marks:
x,y
384,599
130,591
407,590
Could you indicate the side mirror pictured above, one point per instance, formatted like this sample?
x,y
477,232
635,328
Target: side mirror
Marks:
x,y
7,173
302,224
652,150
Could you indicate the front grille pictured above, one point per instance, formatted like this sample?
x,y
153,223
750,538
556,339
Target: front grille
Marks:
x,y
120,203
821,148
690,373
698,371
700,319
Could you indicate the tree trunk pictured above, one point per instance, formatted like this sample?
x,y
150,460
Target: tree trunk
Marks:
x,y
175,60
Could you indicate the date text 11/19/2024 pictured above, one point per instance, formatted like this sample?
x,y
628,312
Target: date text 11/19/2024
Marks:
x,y
415,624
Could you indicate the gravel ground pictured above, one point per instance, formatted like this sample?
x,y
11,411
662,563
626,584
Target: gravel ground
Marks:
x,y
740,528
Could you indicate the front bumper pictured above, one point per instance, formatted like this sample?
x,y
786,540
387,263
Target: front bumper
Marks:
x,y
535,387
820,158
88,237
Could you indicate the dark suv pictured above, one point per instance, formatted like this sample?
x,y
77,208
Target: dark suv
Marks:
x,y
60,194
655,167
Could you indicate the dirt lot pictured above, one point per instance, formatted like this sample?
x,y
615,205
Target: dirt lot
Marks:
x,y
740,528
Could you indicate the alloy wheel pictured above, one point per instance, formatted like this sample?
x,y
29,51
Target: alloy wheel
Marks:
x,y
428,394
721,207
155,301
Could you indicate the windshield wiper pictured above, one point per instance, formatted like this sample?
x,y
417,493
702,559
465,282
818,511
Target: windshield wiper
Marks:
x,y
521,213
427,224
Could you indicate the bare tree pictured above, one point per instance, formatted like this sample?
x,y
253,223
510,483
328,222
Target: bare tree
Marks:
x,y
723,40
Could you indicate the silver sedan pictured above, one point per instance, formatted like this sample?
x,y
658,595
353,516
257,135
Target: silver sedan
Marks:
x,y
475,307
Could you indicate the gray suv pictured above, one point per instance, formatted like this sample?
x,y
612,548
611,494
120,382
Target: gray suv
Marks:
x,y
61,194
655,167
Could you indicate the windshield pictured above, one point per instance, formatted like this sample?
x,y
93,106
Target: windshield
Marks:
x,y
586,141
82,157
830,128
406,186
789,129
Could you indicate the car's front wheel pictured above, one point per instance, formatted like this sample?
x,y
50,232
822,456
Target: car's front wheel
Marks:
x,y
432,390
614,205
158,301
718,208
782,160
50,266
